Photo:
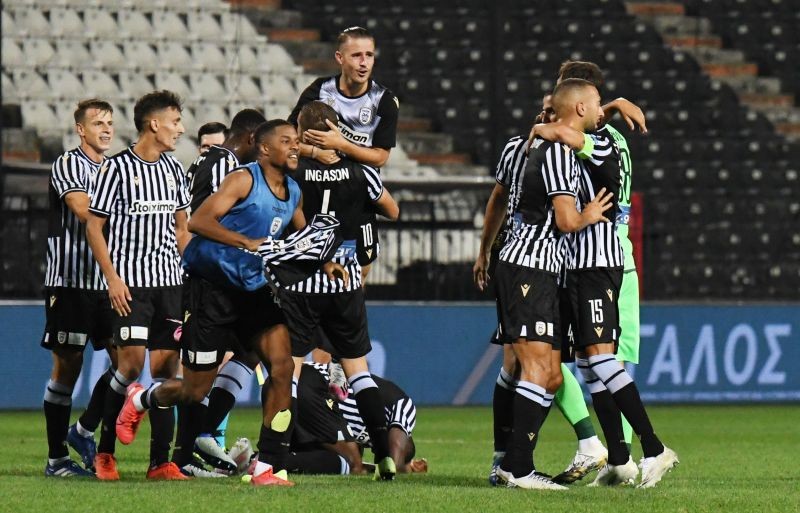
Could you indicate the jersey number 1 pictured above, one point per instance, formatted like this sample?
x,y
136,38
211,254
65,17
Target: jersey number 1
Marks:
x,y
326,200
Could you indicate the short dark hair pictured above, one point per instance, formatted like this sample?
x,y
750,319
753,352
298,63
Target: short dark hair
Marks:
x,y
582,69
314,114
154,102
266,128
354,33
91,103
565,87
214,127
246,121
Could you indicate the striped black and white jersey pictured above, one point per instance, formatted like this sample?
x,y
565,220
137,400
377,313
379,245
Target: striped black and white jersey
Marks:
x,y
399,409
69,259
140,199
509,171
597,245
368,120
533,238
344,190
207,172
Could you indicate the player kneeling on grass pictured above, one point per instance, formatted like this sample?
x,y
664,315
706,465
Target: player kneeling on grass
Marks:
x,y
229,295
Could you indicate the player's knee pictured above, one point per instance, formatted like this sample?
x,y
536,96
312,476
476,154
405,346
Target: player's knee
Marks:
x,y
195,394
281,367
555,381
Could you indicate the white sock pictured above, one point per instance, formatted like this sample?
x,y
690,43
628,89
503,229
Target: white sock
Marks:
x,y
261,467
591,445
83,431
56,461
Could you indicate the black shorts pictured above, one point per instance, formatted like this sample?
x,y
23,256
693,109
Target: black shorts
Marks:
x,y
318,417
218,319
527,304
343,318
74,316
564,329
154,318
367,247
594,298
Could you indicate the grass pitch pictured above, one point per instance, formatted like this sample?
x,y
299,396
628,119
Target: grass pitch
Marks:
x,y
733,458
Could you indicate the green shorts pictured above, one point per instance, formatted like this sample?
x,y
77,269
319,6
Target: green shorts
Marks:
x,y
629,317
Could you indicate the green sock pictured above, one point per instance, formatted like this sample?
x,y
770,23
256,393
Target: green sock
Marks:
x,y
627,430
569,399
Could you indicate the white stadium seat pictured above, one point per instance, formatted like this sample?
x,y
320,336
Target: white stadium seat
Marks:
x,y
168,25
243,87
100,84
108,54
30,84
209,56
201,22
174,82
277,89
185,151
10,94
279,60
65,21
174,55
30,21
99,23
72,53
140,54
133,25
134,84
236,27
64,84
209,111
13,56
207,85
9,25
39,115
38,52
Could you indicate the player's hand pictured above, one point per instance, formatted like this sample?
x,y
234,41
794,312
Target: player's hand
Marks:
x,y
330,140
599,204
632,114
327,157
480,273
119,295
335,271
254,244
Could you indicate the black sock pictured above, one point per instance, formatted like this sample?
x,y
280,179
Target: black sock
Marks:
x,y
190,418
608,414
162,429
220,403
316,462
93,414
370,408
502,410
273,446
545,413
528,418
630,403
115,398
57,408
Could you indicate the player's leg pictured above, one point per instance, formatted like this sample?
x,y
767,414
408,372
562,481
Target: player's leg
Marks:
x,y
629,339
222,426
503,408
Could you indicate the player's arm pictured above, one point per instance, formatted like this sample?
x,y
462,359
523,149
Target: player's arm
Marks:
x,y
558,132
334,140
629,111
118,291
492,221
387,206
182,235
205,221
298,217
66,179
78,203
569,220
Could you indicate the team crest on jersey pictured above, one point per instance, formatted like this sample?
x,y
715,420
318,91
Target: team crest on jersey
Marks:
x,y
303,245
331,101
365,115
171,182
124,333
275,226
541,328
62,337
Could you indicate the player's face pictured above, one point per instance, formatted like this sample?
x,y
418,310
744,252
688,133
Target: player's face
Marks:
x,y
97,129
548,113
209,140
284,148
168,127
593,113
356,56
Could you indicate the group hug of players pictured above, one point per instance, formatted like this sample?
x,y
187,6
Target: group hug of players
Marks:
x,y
258,251
566,290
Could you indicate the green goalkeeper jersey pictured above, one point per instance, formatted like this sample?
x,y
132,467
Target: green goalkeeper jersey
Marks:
x,y
626,170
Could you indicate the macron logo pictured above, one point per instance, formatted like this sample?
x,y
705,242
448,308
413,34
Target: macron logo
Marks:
x,y
140,207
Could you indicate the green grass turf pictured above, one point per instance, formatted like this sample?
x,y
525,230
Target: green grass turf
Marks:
x,y
733,458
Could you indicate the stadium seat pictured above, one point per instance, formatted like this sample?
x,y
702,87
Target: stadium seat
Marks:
x,y
10,93
174,82
209,56
134,25
38,52
35,85
100,84
211,110
108,55
65,22
168,25
135,84
100,24
40,115
202,22
31,21
12,53
236,27
72,53
65,84
278,89
175,55
243,87
206,85
9,25
141,55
